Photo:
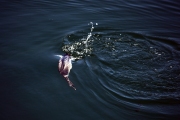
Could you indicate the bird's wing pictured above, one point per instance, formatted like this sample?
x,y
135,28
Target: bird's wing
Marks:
x,y
60,65
66,68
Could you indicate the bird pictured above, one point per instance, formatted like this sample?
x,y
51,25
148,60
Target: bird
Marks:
x,y
64,67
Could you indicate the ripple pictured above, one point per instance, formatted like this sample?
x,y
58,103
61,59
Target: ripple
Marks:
x,y
131,68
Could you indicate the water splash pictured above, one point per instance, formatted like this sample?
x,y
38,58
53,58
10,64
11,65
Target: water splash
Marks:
x,y
130,67
125,58
82,46
90,34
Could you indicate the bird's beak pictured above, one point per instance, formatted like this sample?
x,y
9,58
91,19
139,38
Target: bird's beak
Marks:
x,y
58,55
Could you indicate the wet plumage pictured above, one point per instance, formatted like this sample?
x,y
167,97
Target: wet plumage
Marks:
x,y
65,65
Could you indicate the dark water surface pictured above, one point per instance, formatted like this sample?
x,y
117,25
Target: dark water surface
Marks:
x,y
129,68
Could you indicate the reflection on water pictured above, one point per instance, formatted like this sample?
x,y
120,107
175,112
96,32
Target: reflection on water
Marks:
x,y
139,69
127,67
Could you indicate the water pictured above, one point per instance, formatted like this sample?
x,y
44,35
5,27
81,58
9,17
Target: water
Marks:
x,y
128,67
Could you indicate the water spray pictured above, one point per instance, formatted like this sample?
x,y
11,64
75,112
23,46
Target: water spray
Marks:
x,y
89,34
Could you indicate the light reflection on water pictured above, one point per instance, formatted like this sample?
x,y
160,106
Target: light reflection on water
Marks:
x,y
127,69
132,68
